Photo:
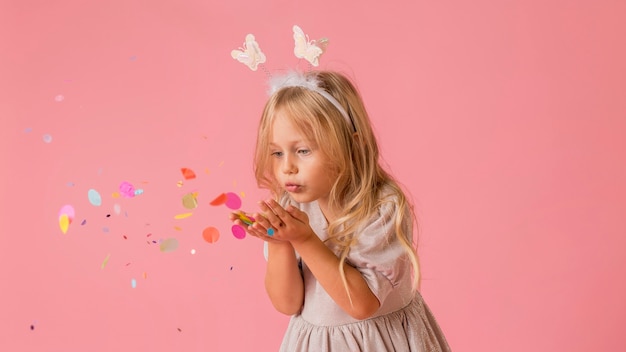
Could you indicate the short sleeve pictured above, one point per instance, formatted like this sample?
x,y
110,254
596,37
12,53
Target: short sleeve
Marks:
x,y
378,254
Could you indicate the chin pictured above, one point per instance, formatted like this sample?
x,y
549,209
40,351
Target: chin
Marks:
x,y
301,198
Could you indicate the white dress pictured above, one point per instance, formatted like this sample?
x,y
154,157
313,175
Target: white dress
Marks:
x,y
402,323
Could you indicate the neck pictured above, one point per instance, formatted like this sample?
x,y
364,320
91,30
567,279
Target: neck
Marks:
x,y
329,214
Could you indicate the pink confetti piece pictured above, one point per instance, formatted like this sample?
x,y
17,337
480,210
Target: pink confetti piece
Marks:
x,y
233,201
238,232
127,189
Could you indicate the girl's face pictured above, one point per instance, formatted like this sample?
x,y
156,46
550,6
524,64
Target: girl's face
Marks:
x,y
300,167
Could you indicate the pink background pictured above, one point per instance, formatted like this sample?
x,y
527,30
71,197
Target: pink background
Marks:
x,y
504,119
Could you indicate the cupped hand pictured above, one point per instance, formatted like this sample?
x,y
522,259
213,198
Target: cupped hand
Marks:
x,y
289,224
257,229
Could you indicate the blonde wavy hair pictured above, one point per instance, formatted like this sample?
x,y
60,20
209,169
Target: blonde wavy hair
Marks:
x,y
357,190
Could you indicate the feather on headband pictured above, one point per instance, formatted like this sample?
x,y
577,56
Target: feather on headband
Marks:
x,y
310,82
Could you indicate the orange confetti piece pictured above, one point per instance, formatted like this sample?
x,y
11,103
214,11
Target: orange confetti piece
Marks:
x,y
211,234
115,195
221,199
188,174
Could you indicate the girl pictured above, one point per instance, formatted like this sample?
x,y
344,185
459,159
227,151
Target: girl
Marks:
x,y
339,231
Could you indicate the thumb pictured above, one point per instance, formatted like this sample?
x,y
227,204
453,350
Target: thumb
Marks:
x,y
297,214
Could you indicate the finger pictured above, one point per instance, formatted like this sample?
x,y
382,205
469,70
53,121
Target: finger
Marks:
x,y
297,214
272,216
276,208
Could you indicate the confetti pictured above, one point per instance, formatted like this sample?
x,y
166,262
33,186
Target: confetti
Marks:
x,y
168,245
133,283
179,183
117,209
47,138
94,197
138,192
64,223
193,251
188,174
219,200
182,216
127,189
238,232
246,219
211,234
69,211
106,260
59,98
233,201
190,200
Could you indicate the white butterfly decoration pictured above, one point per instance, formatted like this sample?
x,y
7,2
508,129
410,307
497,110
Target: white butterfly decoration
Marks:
x,y
307,49
250,55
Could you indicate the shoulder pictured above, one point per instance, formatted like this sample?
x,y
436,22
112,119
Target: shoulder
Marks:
x,y
391,202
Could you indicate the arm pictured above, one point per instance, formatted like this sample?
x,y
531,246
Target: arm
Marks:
x,y
294,227
283,281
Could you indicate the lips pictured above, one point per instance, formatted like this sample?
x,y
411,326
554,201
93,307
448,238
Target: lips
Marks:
x,y
292,187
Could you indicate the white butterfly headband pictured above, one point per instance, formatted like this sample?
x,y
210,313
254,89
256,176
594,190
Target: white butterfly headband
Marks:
x,y
310,50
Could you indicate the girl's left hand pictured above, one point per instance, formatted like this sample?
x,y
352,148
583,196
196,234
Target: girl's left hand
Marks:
x,y
289,224
256,229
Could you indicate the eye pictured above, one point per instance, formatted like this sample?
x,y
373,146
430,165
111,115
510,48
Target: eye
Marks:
x,y
277,154
304,151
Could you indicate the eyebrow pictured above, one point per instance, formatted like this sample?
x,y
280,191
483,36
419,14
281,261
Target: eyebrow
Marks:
x,y
272,144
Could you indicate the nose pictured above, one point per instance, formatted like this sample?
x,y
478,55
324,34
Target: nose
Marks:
x,y
288,166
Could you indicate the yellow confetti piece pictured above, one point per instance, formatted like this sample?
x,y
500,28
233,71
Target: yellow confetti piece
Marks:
x,y
243,194
182,216
64,223
106,260
206,171
115,195
178,228
145,275
179,183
